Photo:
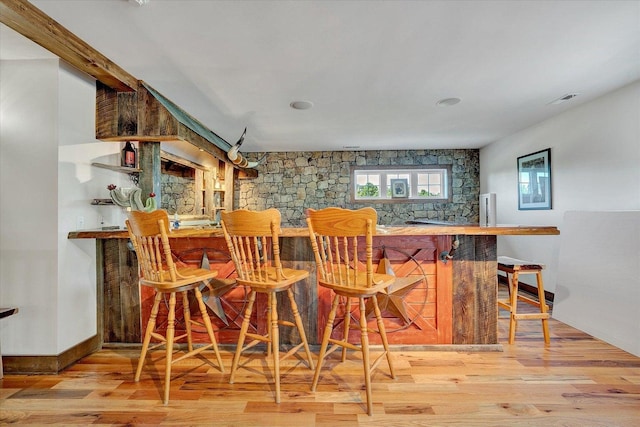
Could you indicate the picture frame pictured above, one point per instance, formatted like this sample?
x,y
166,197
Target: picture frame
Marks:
x,y
534,181
399,188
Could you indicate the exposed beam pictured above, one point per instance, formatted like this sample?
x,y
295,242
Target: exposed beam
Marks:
x,y
31,22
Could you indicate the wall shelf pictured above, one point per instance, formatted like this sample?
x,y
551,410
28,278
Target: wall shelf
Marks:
x,y
102,202
122,169
132,172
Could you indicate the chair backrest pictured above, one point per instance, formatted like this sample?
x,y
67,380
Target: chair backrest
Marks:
x,y
149,233
252,239
335,234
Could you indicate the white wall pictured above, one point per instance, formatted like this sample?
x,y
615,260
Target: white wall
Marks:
x,y
595,165
598,287
47,143
28,205
79,183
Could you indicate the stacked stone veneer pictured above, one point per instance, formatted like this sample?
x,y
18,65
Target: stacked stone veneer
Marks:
x,y
178,194
295,181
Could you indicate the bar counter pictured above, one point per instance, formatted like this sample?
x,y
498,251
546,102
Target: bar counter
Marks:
x,y
438,299
408,230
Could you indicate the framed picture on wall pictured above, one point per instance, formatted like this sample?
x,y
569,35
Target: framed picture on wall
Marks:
x,y
399,188
534,180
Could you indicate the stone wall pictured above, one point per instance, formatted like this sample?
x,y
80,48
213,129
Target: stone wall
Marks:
x,y
295,181
178,194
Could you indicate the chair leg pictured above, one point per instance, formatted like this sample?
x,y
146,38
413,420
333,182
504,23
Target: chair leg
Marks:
x,y
171,320
325,341
207,324
300,326
275,342
513,321
243,334
269,340
383,335
364,338
151,324
187,319
347,324
543,307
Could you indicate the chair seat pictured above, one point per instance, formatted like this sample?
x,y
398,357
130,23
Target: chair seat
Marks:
x,y
515,263
189,278
271,284
358,287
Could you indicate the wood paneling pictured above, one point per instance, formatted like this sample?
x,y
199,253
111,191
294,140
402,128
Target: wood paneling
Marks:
x,y
121,304
428,303
457,305
474,290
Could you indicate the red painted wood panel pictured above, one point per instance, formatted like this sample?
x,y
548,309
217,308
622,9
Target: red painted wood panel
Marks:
x,y
426,303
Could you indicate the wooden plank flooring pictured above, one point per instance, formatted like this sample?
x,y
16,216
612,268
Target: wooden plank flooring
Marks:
x,y
576,381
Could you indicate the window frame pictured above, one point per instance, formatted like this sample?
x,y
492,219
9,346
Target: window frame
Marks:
x,y
447,186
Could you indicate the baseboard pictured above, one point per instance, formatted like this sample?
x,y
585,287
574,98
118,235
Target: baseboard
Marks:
x,y
528,289
50,364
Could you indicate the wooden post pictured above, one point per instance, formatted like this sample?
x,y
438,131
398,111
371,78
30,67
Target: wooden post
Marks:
x,y
151,165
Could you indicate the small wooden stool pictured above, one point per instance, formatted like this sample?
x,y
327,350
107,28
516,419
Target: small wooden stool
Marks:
x,y
516,267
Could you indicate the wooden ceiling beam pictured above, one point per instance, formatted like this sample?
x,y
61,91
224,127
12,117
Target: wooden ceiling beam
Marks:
x,y
31,22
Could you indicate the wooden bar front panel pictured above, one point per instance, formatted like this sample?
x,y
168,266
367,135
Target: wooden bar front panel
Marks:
x,y
420,313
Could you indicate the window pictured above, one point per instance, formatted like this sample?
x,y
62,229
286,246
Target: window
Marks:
x,y
422,184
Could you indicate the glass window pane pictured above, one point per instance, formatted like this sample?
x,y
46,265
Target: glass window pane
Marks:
x,y
367,185
422,183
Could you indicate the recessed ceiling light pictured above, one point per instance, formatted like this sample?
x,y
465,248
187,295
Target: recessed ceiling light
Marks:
x,y
563,98
301,105
447,102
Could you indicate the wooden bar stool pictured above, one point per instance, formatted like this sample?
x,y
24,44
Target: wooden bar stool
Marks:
x,y
514,268
347,269
149,234
253,241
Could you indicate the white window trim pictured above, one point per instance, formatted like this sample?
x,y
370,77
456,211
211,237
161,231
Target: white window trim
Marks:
x,y
413,171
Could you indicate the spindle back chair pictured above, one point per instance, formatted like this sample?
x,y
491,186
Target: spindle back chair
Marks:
x,y
253,241
149,234
342,243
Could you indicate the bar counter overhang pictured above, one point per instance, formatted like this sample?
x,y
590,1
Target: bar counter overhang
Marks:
x,y
439,299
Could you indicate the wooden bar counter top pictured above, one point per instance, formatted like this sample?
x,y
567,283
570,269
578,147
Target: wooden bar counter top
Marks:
x,y
438,298
408,230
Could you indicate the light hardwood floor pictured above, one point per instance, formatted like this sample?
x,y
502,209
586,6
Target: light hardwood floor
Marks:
x,y
576,381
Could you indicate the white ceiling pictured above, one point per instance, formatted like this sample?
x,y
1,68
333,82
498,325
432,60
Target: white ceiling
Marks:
x,y
374,70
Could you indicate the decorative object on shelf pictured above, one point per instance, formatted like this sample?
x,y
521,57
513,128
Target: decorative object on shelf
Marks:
x,y
534,181
129,156
151,204
399,188
131,198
